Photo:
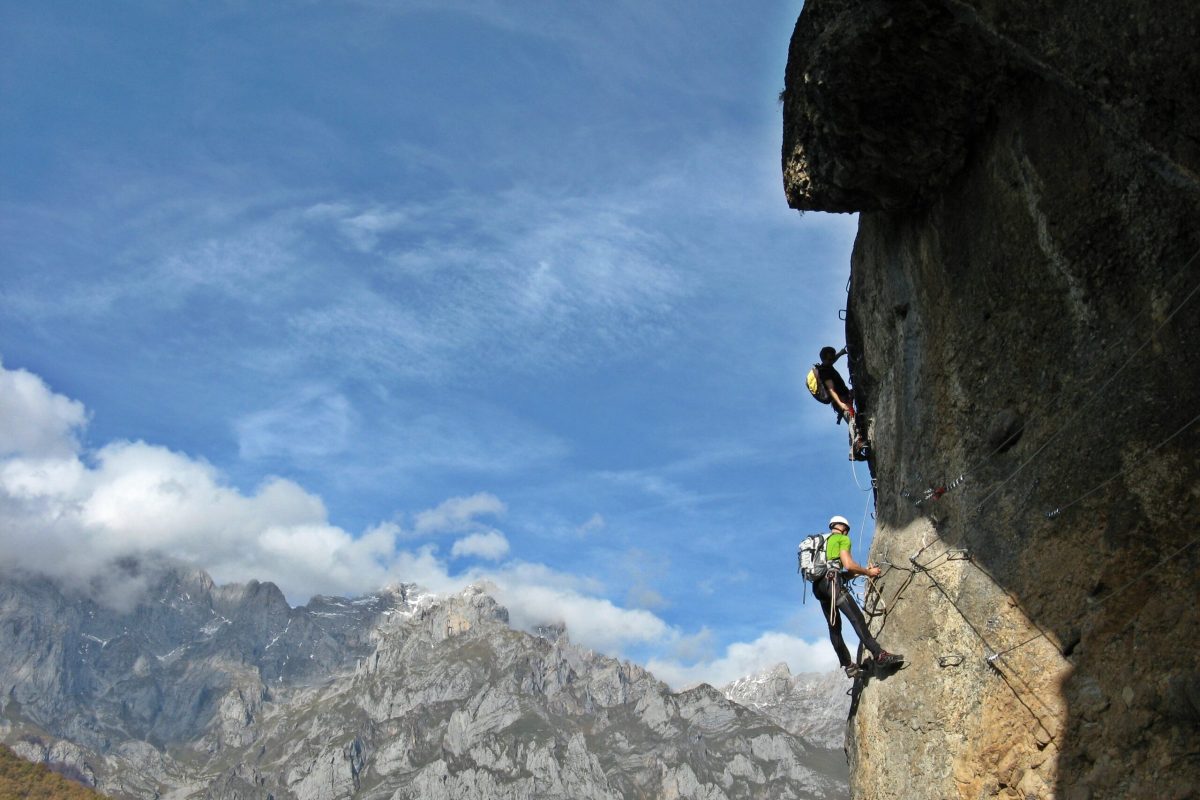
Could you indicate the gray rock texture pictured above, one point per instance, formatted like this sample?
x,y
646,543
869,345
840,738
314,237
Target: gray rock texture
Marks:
x,y
1024,321
811,705
199,691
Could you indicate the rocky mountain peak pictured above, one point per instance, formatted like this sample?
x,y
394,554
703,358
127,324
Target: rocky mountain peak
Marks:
x,y
251,598
221,692
814,706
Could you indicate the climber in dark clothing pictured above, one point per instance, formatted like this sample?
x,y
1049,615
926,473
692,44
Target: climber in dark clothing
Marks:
x,y
841,397
842,566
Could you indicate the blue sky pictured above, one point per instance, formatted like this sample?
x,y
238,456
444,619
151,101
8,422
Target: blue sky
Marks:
x,y
342,293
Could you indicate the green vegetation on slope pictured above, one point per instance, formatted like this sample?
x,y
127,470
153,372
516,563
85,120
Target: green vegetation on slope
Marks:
x,y
24,780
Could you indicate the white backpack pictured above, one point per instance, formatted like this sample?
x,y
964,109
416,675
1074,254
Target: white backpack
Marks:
x,y
811,557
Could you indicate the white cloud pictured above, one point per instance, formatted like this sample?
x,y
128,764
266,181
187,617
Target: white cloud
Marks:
x,y
594,523
71,520
37,422
458,514
72,516
697,647
667,491
364,228
520,280
491,545
746,658
592,621
641,596
316,423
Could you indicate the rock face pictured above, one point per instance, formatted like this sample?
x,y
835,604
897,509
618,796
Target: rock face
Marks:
x,y
227,693
813,706
1024,319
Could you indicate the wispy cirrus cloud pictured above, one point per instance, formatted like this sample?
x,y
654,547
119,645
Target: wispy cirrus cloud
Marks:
x,y
522,279
362,228
593,524
315,424
415,290
637,43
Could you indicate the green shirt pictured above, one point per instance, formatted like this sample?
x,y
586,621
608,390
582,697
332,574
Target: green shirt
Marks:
x,y
835,543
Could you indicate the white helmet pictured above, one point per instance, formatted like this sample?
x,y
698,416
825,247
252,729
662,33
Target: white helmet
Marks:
x,y
834,520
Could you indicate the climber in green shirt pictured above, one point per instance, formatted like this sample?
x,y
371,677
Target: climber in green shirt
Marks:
x,y
835,596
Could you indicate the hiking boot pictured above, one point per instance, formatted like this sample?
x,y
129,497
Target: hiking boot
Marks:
x,y
886,659
852,670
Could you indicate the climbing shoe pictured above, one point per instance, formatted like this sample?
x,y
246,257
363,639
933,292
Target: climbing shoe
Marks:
x,y
852,670
886,659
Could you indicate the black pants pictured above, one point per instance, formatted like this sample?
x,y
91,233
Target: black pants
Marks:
x,y
849,609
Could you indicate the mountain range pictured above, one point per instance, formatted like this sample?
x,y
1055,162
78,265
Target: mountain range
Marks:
x,y
187,689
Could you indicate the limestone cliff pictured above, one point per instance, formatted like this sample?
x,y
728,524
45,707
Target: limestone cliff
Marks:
x,y
1024,319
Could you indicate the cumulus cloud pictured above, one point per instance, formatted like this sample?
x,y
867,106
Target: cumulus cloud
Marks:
x,y
644,597
745,658
75,516
700,646
82,517
592,621
458,514
72,520
491,545
37,422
